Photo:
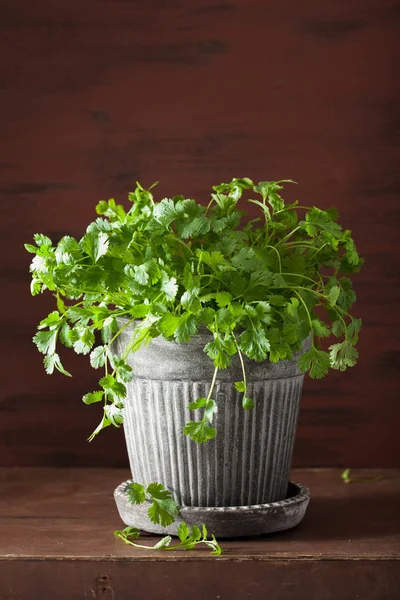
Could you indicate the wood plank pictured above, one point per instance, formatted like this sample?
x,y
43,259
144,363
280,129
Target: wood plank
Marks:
x,y
239,580
97,94
71,513
56,542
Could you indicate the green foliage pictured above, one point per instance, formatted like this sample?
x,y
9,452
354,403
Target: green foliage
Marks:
x,y
316,361
189,537
162,511
175,267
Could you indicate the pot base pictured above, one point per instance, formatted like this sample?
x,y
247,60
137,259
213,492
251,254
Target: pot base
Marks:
x,y
223,522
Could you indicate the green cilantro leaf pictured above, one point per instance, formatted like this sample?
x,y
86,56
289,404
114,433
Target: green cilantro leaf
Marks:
x,y
347,295
183,531
317,220
93,397
317,362
187,327
51,362
353,331
95,245
255,344
320,329
196,404
168,324
333,295
42,240
123,370
52,320
338,328
98,357
114,414
343,356
220,351
261,277
240,386
85,340
164,509
199,431
46,341
190,300
136,493
169,286
210,409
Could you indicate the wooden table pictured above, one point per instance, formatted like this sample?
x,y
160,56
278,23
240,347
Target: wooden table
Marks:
x,y
56,542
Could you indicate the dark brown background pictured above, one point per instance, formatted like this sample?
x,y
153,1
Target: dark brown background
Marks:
x,y
96,94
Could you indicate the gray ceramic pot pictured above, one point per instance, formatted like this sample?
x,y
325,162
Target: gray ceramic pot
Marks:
x,y
249,460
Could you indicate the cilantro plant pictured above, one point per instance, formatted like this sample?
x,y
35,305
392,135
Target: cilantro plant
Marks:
x,y
260,287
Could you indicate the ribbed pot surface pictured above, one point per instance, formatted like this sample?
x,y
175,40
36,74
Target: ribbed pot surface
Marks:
x,y
249,460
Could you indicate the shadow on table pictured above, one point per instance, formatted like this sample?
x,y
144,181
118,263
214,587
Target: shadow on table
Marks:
x,y
345,518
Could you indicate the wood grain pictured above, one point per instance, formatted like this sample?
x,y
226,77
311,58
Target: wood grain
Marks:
x,y
97,94
56,542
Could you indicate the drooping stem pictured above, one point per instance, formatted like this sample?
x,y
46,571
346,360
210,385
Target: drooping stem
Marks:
x,y
279,257
241,362
212,383
308,315
243,369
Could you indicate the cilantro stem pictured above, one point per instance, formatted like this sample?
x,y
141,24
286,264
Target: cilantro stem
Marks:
x,y
335,308
302,276
212,276
298,287
181,545
308,315
299,244
291,208
241,362
279,257
212,383
106,373
121,330
319,249
181,242
209,206
130,543
289,235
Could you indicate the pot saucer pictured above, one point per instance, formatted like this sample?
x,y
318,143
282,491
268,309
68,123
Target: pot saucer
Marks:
x,y
224,521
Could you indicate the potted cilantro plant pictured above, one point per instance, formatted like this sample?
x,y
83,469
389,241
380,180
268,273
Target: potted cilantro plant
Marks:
x,y
204,322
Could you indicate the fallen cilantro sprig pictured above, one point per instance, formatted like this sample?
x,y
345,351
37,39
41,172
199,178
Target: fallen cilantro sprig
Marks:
x,y
189,538
162,511
349,479
259,286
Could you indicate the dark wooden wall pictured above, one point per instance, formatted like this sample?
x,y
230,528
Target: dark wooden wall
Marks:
x,y
95,94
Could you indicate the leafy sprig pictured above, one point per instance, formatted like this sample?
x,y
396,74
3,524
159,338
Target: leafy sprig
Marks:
x,y
347,478
163,511
170,268
163,508
189,538
201,431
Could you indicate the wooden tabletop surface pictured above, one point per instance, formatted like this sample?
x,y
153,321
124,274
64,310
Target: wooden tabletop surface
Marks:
x,y
57,543
58,513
